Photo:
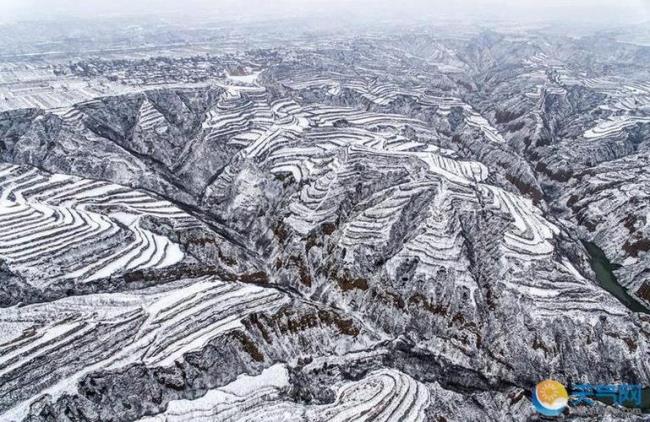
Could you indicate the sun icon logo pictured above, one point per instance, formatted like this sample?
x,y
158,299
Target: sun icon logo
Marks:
x,y
550,398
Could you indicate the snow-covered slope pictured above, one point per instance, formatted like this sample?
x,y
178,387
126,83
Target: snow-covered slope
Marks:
x,y
385,229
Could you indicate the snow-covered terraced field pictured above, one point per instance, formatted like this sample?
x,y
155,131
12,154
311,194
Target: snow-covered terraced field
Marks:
x,y
472,118
326,161
531,233
46,217
373,228
374,91
327,116
382,395
150,118
249,398
529,237
438,243
32,84
237,113
613,126
385,395
481,123
54,345
373,225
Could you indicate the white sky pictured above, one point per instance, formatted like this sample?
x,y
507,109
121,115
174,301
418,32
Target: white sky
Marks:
x,y
602,11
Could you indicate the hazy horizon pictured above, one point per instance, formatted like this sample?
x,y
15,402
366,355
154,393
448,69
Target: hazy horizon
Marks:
x,y
553,11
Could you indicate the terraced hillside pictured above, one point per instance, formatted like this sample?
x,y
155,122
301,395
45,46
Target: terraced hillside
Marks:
x,y
382,229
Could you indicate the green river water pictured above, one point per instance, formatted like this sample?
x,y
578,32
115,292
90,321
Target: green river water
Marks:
x,y
605,274
604,270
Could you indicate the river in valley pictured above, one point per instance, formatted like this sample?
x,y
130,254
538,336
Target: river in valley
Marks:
x,y
604,270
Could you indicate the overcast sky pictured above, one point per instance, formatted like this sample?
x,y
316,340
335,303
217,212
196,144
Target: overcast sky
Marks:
x,y
601,11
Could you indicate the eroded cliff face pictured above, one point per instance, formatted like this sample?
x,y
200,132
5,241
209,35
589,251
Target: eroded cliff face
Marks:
x,y
333,241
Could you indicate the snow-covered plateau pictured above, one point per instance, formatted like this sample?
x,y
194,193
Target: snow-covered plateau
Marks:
x,y
368,228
